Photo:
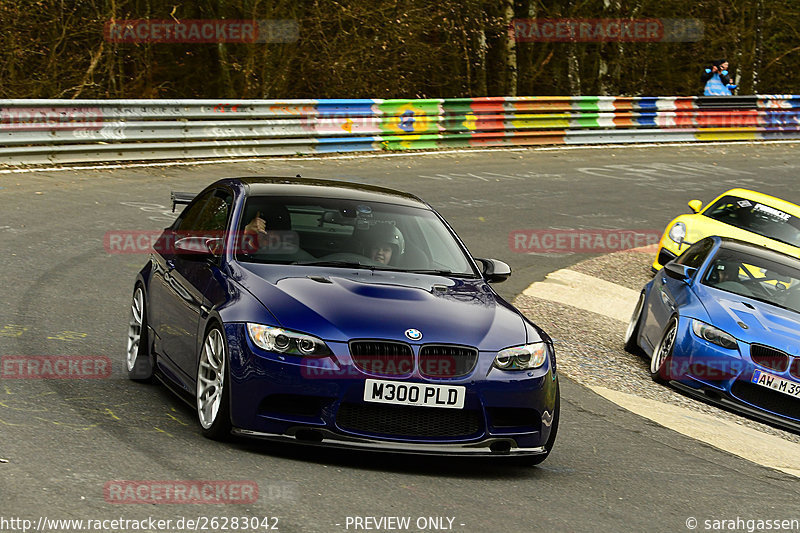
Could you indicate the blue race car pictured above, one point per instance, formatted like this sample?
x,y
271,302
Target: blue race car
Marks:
x,y
722,322
339,314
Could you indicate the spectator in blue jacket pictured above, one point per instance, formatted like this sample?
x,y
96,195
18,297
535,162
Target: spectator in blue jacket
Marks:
x,y
716,79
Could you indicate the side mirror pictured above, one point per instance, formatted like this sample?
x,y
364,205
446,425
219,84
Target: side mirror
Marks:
x,y
494,271
679,272
198,248
215,245
695,205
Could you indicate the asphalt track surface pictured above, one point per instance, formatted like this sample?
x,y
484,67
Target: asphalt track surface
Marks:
x,y
64,294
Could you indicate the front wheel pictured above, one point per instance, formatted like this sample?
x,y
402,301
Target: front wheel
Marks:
x,y
662,355
138,361
213,404
632,333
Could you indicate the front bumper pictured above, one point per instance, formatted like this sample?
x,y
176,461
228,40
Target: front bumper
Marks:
x,y
283,397
490,447
732,403
723,377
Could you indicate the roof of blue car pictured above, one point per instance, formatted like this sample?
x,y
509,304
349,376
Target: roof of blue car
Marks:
x,y
757,250
311,187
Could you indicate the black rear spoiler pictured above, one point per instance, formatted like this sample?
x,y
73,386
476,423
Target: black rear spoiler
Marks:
x,y
181,198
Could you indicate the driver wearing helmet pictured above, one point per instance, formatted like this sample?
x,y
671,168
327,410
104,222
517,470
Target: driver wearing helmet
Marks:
x,y
726,270
725,275
384,243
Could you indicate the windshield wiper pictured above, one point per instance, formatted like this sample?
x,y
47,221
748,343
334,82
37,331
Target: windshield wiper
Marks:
x,y
435,272
341,264
265,261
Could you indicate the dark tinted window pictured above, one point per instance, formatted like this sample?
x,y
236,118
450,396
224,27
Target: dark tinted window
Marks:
x,y
776,282
214,216
186,220
756,217
306,230
208,213
694,256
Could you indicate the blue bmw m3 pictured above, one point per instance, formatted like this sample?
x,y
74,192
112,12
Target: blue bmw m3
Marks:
x,y
722,322
339,314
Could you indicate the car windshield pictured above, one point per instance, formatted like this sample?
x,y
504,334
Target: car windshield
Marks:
x,y
773,282
756,217
344,233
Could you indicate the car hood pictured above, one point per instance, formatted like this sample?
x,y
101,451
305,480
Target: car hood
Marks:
x,y
344,304
766,324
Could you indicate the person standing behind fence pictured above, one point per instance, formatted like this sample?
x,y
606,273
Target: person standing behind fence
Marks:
x,y
723,75
708,72
714,84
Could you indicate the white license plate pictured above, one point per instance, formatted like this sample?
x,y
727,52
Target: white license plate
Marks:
x,y
422,394
776,383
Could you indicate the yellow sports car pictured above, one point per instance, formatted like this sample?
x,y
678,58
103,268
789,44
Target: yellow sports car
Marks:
x,y
739,213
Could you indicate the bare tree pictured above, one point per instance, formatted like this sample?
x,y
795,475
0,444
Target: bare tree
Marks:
x,y
510,49
757,56
573,65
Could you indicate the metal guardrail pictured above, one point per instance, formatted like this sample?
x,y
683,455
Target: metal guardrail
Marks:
x,y
37,132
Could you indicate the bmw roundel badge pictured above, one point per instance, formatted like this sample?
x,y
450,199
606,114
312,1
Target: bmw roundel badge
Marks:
x,y
413,334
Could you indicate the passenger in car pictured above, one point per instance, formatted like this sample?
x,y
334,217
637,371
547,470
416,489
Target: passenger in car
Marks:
x,y
254,231
276,218
270,232
385,242
725,276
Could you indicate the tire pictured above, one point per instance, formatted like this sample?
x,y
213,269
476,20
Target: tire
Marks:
x,y
533,460
632,333
212,397
138,361
662,355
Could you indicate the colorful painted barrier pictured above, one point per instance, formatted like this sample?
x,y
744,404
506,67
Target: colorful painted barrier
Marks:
x,y
67,131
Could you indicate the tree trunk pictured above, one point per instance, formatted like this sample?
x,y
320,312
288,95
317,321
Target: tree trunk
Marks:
x,y
757,54
526,51
224,65
480,64
573,66
510,50
609,51
573,71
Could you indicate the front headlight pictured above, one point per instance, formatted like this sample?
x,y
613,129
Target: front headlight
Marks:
x,y
282,340
677,232
522,357
714,335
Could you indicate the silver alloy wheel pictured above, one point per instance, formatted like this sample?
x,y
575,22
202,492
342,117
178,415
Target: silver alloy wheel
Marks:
x,y
210,378
135,325
664,348
637,314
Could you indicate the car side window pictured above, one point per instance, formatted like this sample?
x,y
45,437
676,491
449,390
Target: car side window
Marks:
x,y
209,213
694,256
214,216
187,219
